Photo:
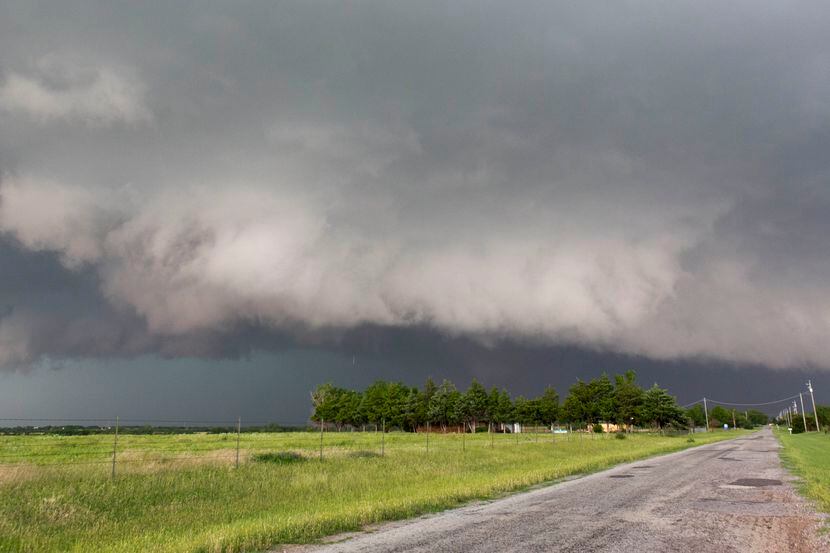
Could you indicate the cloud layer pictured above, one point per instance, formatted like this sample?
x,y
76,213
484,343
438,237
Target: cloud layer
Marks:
x,y
69,89
648,181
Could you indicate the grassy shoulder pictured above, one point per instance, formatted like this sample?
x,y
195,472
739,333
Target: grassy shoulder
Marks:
x,y
215,507
808,456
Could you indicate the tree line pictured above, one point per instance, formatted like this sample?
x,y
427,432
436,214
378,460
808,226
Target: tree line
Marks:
x,y
620,401
796,421
719,416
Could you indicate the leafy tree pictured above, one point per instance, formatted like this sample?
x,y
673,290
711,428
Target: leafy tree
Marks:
x,y
720,415
429,391
323,399
342,402
374,402
352,406
660,409
549,406
756,418
823,416
474,405
445,405
590,402
500,406
394,412
425,397
628,398
576,406
527,410
601,405
697,415
385,402
415,412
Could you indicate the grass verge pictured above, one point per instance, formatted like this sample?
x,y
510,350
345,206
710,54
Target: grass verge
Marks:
x,y
808,456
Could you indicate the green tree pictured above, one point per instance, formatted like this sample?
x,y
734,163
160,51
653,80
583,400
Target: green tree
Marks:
x,y
601,406
697,415
342,407
426,397
660,409
385,402
549,406
527,410
475,405
374,402
445,405
628,398
416,412
756,418
719,416
353,408
500,406
394,412
575,409
823,416
324,400
798,425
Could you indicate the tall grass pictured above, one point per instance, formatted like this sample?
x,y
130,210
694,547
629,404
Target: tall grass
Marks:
x,y
808,455
167,506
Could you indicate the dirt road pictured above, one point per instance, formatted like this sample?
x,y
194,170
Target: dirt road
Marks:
x,y
727,497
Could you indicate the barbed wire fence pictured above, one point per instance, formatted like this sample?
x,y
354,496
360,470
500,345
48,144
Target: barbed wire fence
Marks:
x,y
119,442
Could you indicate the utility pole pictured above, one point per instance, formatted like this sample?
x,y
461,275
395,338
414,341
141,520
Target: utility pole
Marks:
x,y
706,412
803,414
322,426
794,411
733,420
815,413
238,430
114,447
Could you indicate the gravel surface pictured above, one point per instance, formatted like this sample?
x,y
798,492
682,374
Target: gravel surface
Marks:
x,y
727,497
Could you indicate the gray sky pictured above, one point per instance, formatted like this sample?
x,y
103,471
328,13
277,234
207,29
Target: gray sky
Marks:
x,y
215,184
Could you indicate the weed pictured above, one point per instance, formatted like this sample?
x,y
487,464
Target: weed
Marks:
x,y
279,457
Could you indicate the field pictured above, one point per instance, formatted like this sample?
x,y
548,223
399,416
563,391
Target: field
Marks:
x,y
808,455
184,492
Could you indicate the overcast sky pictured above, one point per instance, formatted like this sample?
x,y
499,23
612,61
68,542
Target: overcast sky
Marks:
x,y
221,184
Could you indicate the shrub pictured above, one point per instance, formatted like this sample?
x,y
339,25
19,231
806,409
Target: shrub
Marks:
x,y
798,425
620,436
279,457
598,428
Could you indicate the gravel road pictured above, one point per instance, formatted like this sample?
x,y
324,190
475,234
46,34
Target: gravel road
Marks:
x,y
727,497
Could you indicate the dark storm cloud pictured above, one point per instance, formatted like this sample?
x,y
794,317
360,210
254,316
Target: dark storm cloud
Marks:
x,y
641,178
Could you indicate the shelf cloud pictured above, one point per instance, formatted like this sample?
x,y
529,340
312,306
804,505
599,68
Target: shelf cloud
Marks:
x,y
650,181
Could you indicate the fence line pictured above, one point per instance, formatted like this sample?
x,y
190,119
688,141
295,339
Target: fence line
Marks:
x,y
132,446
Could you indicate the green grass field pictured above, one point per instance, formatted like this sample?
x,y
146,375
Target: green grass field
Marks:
x,y
808,456
183,492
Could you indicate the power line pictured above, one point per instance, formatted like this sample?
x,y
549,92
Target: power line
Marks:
x,y
752,404
690,404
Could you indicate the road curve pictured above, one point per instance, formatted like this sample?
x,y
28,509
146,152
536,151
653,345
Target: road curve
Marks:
x,y
730,496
